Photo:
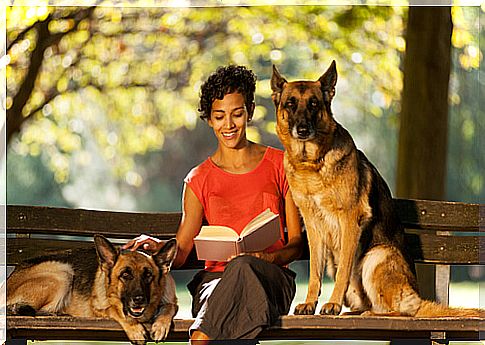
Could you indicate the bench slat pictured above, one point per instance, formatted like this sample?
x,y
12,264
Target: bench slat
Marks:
x,y
64,221
439,215
423,247
449,250
414,214
21,249
295,327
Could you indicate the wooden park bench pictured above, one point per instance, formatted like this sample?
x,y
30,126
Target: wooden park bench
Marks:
x,y
439,234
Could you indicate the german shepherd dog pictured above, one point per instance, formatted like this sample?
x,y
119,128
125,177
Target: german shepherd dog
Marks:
x,y
347,209
133,288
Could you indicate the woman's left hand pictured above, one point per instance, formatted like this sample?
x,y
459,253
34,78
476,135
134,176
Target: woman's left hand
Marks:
x,y
269,257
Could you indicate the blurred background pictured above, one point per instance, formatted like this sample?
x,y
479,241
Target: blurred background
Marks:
x,y
102,100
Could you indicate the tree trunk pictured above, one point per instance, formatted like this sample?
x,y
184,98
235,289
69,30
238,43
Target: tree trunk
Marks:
x,y
423,134
421,167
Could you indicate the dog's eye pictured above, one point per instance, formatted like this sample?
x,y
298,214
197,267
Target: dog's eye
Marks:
x,y
148,275
313,103
126,275
290,103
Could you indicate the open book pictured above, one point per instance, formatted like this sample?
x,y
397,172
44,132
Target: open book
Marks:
x,y
219,243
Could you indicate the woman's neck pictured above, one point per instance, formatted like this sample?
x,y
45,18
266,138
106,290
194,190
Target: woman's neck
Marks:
x,y
238,160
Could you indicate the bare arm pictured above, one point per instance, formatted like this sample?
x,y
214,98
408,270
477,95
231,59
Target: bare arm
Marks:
x,y
293,249
192,214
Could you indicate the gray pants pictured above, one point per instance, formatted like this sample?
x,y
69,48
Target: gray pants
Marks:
x,y
240,302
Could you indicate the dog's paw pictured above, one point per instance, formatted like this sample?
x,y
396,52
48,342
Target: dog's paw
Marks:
x,y
307,308
137,334
21,309
331,309
160,328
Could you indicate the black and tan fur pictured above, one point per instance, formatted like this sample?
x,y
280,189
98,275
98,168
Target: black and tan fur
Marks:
x,y
347,209
133,288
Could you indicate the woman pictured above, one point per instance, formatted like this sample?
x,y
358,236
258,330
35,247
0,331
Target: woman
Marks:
x,y
236,299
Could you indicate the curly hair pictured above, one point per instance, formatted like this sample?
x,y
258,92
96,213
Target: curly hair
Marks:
x,y
225,80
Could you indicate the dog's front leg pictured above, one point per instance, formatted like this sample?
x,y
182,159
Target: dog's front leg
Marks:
x,y
317,267
349,240
135,331
163,321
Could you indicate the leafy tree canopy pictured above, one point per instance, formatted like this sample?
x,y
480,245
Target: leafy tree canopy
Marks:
x,y
112,83
122,78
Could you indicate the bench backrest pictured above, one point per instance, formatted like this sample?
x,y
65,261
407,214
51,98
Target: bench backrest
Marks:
x,y
436,232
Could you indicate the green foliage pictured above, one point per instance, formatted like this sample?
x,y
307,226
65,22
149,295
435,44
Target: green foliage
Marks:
x,y
466,159
31,183
128,78
115,102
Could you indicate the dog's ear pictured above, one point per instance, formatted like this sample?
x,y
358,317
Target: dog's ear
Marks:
x,y
277,84
328,81
107,253
164,258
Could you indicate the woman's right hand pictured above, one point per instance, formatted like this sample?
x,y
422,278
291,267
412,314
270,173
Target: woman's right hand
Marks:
x,y
147,243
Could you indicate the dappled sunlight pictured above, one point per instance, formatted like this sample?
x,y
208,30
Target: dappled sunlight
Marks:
x,y
112,76
123,81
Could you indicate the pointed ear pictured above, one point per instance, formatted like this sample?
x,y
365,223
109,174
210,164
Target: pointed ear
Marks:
x,y
328,81
277,84
164,258
107,253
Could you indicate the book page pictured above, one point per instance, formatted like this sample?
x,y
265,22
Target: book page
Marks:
x,y
263,237
215,250
258,221
216,232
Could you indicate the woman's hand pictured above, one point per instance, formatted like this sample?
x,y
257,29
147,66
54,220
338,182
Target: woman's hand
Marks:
x,y
293,248
147,243
269,257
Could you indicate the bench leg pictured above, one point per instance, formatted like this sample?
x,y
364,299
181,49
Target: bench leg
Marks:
x,y
442,283
434,282
438,338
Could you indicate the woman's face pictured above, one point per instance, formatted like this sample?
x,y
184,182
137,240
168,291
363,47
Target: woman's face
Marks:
x,y
229,118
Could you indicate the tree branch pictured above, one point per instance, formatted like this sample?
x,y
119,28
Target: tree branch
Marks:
x,y
45,39
22,34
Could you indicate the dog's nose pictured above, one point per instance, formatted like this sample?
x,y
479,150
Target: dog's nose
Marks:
x,y
303,131
139,299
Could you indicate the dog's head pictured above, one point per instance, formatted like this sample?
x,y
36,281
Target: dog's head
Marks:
x,y
135,279
303,107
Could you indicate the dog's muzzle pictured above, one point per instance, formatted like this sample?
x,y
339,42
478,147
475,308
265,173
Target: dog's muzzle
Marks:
x,y
136,311
303,132
136,306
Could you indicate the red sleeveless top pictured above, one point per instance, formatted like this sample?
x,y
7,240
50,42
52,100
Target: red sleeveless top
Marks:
x,y
234,199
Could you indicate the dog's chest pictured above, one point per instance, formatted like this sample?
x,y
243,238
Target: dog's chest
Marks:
x,y
310,188
318,204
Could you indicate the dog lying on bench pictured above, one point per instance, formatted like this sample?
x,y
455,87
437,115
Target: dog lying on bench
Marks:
x,y
133,288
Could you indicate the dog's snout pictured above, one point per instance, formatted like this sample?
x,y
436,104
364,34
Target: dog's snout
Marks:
x,y
303,131
139,299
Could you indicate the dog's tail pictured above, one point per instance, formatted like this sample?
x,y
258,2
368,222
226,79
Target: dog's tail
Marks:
x,y
433,309
389,285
